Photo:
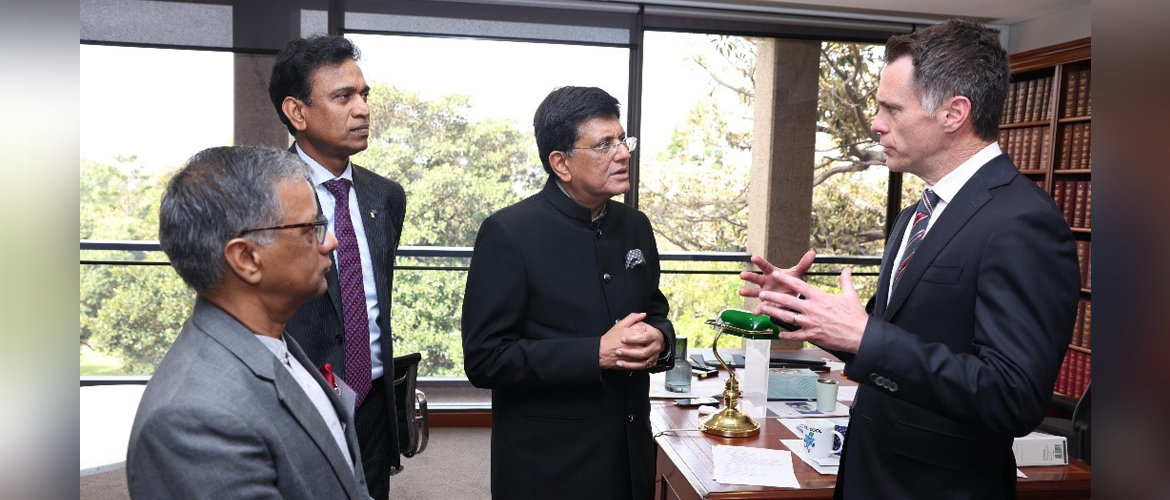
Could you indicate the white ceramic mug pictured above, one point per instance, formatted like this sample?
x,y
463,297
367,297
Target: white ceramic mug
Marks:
x,y
826,395
818,439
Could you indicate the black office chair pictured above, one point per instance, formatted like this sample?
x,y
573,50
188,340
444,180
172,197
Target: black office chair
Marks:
x,y
1076,428
411,408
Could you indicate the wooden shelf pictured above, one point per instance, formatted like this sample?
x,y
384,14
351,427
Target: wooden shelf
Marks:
x,y
1051,81
1006,126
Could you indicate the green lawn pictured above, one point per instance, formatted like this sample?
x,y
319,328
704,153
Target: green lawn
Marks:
x,y
96,363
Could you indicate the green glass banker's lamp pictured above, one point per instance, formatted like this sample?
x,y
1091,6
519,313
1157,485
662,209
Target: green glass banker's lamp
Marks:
x,y
730,422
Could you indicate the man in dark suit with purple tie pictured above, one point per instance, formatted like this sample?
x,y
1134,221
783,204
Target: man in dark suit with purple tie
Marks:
x,y
320,94
977,292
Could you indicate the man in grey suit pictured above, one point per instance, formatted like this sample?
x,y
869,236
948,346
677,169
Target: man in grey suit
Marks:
x,y
236,409
320,94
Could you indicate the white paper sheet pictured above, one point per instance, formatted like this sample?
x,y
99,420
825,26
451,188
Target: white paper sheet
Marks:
x,y
802,409
797,447
846,393
753,466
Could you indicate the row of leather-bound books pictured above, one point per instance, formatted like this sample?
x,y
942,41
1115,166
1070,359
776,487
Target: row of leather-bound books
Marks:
x,y
1075,373
1031,100
1075,201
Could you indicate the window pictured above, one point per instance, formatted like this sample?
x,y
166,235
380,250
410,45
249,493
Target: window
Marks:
x,y
143,112
695,164
451,120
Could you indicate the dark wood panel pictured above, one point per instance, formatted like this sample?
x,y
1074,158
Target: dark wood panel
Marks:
x,y
1076,50
460,418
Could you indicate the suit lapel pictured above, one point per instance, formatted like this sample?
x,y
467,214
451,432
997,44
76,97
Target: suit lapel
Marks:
x,y
294,396
891,253
376,221
334,290
974,194
301,408
334,284
237,339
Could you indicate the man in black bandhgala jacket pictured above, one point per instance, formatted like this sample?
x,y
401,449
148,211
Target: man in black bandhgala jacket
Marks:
x,y
563,318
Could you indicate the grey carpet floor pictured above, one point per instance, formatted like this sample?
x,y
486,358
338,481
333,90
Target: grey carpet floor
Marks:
x,y
455,466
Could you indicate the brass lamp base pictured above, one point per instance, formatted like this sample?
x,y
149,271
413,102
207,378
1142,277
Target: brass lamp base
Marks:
x,y
729,422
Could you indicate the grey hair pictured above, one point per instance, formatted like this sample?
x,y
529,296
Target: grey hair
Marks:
x,y
957,58
219,193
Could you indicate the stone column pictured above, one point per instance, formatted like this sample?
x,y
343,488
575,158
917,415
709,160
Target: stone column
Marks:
x,y
256,122
783,150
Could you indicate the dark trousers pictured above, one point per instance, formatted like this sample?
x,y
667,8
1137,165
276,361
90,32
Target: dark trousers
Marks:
x,y
373,431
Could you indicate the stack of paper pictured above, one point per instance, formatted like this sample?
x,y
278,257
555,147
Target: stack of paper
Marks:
x,y
753,466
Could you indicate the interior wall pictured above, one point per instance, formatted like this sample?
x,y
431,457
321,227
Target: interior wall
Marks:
x,y
1062,26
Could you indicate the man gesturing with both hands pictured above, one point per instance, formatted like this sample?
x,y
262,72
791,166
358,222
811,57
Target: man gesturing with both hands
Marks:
x,y
977,292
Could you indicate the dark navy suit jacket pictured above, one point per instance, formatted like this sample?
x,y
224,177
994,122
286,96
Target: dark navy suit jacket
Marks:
x,y
965,354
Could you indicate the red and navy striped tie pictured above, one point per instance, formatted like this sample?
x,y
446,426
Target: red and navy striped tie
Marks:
x,y
917,231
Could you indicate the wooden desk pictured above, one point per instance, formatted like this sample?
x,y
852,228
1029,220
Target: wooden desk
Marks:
x,y
685,461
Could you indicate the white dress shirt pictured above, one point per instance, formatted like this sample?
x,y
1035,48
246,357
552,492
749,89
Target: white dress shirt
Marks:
x,y
946,189
328,207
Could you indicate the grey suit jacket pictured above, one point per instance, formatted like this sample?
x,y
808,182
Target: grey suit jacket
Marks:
x,y
317,325
222,418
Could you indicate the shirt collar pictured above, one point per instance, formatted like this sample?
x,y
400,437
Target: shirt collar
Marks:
x,y
321,174
604,206
950,184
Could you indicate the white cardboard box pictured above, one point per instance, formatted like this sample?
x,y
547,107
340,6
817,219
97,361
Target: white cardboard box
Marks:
x,y
1038,448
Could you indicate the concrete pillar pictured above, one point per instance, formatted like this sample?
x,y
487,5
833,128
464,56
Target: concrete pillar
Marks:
x,y
783,150
256,122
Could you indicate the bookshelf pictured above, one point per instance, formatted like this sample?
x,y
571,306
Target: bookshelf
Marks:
x,y
1045,129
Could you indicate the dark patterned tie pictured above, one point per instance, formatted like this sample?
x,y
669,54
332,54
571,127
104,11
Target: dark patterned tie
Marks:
x,y
353,293
917,232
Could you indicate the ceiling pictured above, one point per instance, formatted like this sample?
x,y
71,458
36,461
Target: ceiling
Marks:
x,y
988,11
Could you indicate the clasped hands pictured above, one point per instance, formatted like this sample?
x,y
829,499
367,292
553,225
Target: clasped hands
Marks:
x,y
630,345
830,321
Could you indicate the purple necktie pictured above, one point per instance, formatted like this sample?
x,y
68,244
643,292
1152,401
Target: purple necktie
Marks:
x,y
917,232
353,293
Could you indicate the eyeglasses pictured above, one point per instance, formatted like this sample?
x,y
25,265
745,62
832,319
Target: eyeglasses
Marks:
x,y
320,227
611,147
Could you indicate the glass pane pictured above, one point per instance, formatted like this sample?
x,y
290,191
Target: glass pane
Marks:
x,y
427,310
696,160
143,112
695,298
458,136
850,180
130,315
696,139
